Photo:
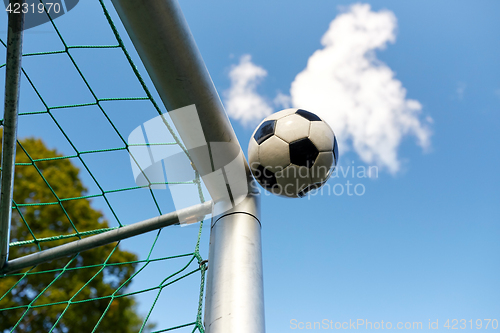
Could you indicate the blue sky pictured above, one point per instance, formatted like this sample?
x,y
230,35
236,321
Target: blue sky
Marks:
x,y
422,242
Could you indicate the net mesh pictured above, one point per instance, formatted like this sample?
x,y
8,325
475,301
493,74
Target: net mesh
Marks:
x,y
87,120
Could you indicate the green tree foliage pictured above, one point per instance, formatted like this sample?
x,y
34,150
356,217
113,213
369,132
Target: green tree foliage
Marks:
x,y
86,288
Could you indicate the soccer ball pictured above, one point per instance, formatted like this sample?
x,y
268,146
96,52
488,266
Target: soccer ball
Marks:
x,y
292,152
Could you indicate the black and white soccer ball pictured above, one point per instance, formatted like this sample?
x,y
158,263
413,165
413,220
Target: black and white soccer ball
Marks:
x,y
292,152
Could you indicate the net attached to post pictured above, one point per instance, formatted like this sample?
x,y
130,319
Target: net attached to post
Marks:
x,y
79,103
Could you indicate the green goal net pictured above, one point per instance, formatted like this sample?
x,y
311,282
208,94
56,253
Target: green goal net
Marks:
x,y
81,96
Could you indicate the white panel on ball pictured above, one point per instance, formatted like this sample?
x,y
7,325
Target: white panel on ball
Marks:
x,y
292,127
322,167
274,154
321,135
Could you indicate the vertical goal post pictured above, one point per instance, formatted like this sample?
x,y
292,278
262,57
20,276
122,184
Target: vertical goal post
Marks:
x,y
234,298
11,109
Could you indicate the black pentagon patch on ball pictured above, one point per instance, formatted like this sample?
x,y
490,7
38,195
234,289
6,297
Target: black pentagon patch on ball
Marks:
x,y
265,131
265,177
302,193
303,152
335,151
308,115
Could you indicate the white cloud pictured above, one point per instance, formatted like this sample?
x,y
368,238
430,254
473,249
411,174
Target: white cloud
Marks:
x,y
345,84
242,101
356,93
283,101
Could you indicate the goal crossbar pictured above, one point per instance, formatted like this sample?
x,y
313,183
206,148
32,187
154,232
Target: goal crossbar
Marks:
x,y
187,215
